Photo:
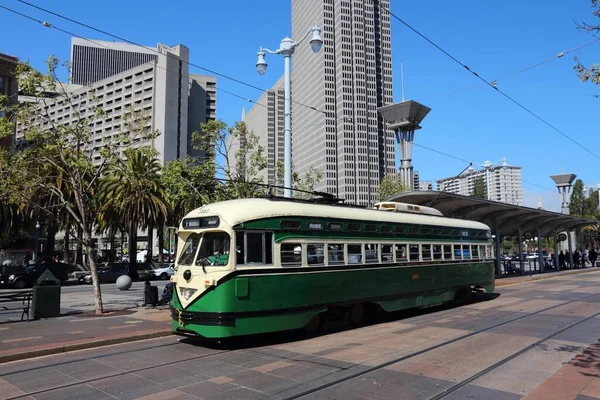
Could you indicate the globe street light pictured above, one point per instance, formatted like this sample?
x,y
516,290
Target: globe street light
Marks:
x,y
286,49
488,165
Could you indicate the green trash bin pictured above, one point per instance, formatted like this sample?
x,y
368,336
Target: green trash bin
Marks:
x,y
45,302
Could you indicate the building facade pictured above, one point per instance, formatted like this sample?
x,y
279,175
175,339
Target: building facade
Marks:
x,y
9,88
505,184
266,120
92,61
202,107
173,102
346,82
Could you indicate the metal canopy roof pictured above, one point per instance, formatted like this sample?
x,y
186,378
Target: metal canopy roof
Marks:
x,y
502,216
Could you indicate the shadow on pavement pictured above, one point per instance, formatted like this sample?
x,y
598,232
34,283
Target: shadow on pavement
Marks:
x,y
277,338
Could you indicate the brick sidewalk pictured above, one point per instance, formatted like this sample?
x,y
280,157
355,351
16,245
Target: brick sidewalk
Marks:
x,y
577,380
22,340
547,275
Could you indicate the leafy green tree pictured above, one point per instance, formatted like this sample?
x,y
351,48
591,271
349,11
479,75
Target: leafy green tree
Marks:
x,y
479,188
591,73
59,161
577,203
133,188
389,186
302,183
234,154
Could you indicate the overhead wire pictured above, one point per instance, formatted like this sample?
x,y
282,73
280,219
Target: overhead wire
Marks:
x,y
555,57
486,82
216,73
472,162
49,25
46,24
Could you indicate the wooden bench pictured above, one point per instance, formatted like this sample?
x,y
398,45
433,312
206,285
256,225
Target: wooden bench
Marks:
x,y
22,296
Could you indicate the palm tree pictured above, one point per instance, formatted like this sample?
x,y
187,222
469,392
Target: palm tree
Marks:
x,y
132,190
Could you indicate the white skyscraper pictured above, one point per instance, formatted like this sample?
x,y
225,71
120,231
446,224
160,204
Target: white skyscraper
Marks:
x,y
348,80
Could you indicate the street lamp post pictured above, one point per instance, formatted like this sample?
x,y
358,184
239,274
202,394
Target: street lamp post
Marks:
x,y
286,49
488,165
37,241
174,228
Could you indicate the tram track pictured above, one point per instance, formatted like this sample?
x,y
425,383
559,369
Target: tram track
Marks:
x,y
327,385
112,375
446,392
461,384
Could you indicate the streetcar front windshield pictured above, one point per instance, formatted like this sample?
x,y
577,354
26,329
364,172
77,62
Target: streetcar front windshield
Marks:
x,y
214,249
189,250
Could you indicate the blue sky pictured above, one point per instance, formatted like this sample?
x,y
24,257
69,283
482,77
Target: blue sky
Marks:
x,y
493,38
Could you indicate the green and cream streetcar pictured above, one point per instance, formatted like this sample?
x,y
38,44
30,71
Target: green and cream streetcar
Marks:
x,y
263,265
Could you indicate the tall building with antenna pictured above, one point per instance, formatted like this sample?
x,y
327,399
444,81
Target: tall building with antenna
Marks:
x,y
346,82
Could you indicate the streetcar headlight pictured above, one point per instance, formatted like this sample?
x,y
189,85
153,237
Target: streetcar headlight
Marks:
x,y
187,292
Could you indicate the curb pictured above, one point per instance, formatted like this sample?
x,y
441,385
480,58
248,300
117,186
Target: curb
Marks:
x,y
82,346
538,277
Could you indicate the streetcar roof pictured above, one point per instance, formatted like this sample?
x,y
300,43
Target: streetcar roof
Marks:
x,y
234,212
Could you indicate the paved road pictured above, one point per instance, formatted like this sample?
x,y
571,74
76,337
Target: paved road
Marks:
x,y
497,348
80,298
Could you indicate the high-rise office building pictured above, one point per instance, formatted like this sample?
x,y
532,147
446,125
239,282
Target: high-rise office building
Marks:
x,y
174,101
505,184
347,81
92,61
266,120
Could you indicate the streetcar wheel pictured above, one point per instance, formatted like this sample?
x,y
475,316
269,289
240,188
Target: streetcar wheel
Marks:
x,y
313,326
464,294
357,314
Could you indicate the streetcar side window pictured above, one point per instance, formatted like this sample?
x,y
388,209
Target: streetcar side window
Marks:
x,y
387,254
354,254
401,253
371,253
291,254
335,254
447,252
315,254
458,255
413,252
426,252
254,248
437,252
474,251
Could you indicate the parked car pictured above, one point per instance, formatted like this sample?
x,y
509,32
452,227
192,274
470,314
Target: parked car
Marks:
x,y
109,273
164,272
27,275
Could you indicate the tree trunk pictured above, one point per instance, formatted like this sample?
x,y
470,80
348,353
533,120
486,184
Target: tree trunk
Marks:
x,y
67,244
150,242
160,232
52,227
113,252
79,255
133,253
92,257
